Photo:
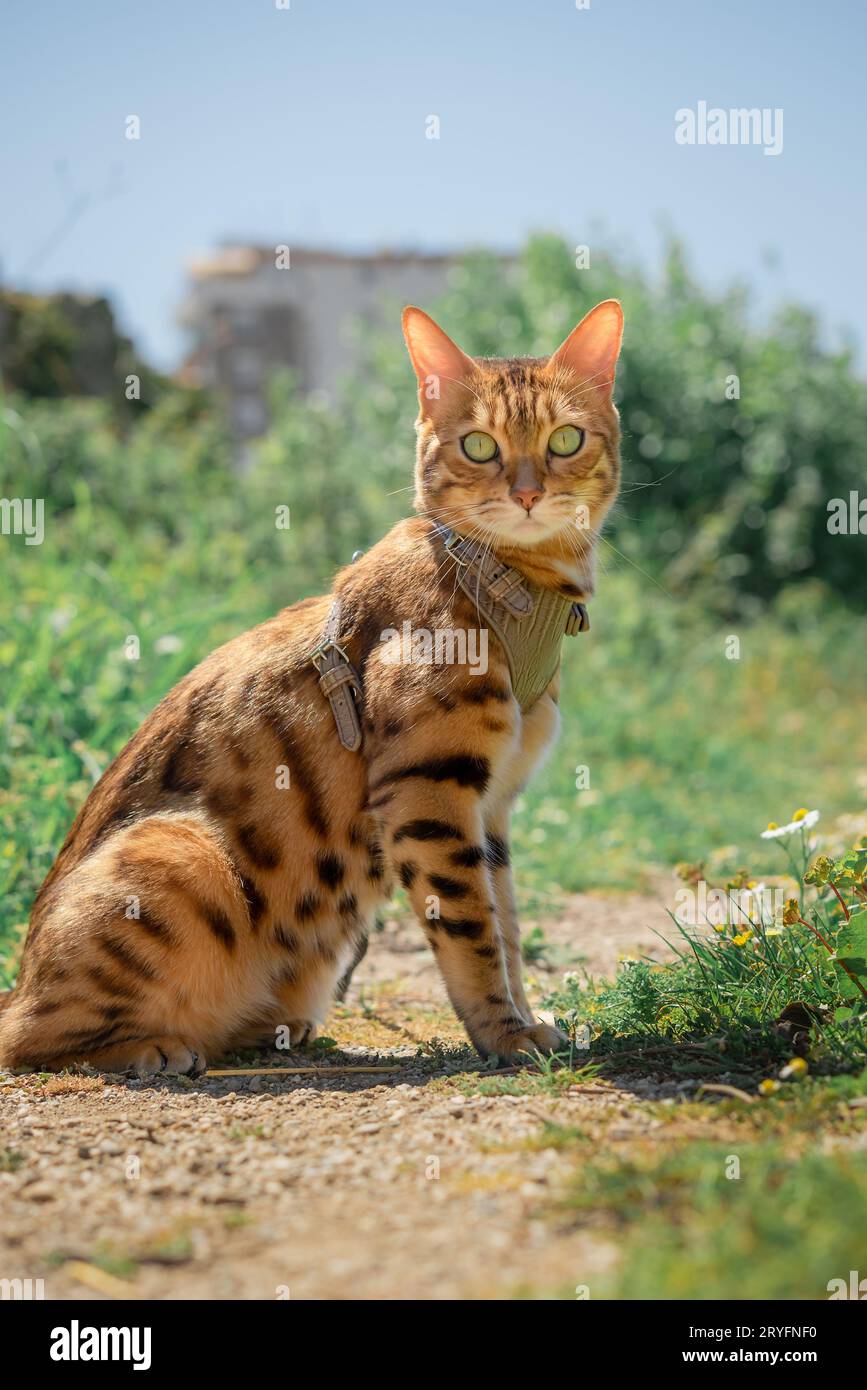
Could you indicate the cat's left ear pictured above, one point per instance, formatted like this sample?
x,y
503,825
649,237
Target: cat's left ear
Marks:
x,y
592,349
438,362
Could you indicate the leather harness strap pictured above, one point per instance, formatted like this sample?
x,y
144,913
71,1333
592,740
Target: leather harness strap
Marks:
x,y
529,621
499,582
339,682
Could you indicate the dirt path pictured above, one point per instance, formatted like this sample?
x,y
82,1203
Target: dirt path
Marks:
x,y
408,1184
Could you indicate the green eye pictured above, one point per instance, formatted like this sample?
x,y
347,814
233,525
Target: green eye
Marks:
x,y
566,440
479,447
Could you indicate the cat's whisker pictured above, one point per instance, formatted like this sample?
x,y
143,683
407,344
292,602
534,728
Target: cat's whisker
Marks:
x,y
654,482
637,567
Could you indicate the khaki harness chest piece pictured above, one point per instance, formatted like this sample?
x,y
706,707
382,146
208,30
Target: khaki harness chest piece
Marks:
x,y
529,621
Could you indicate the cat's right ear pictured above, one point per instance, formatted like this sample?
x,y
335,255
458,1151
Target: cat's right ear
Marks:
x,y
592,349
439,363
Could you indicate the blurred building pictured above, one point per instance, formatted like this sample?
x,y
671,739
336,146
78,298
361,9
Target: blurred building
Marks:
x,y
246,317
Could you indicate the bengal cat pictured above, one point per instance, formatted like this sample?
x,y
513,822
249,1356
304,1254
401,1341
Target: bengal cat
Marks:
x,y
223,873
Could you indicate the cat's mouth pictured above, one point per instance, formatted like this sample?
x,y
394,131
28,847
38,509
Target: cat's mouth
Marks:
x,y
528,529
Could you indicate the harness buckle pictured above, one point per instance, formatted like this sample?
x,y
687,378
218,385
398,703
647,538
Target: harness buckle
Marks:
x,y
340,684
453,544
320,652
504,584
578,620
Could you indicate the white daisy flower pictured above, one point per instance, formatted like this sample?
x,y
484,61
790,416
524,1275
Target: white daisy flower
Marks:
x,y
802,820
752,890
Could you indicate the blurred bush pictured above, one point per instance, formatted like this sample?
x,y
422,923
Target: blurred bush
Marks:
x,y
63,345
726,498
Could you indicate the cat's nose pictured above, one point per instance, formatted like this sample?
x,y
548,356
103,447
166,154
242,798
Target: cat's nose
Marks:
x,y
527,496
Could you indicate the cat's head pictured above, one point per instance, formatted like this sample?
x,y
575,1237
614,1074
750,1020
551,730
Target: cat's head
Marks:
x,y
521,452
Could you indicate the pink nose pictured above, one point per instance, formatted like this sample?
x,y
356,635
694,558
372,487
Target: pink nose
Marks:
x,y
526,497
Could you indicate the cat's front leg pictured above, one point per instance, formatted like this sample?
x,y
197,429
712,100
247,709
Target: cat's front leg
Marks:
x,y
433,831
538,730
499,863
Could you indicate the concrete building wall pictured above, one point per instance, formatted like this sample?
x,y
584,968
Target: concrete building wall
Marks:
x,y
247,317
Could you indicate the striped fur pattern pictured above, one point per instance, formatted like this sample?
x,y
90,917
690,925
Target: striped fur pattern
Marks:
x,y
222,876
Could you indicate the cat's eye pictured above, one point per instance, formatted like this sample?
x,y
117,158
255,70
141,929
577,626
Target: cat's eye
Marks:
x,y
479,447
565,441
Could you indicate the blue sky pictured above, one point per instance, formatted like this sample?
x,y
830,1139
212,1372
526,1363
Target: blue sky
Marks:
x,y
307,126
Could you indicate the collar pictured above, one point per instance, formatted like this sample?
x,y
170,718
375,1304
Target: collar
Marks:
x,y
529,621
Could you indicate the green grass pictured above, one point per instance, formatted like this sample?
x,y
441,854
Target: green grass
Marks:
x,y
714,1198
685,1230
547,1077
690,754
744,995
721,1200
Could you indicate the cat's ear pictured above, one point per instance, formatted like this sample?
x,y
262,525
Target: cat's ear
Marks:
x,y
592,349
438,362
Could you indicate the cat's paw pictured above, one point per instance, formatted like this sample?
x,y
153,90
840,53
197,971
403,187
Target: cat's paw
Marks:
x,y
301,1031
528,1043
176,1056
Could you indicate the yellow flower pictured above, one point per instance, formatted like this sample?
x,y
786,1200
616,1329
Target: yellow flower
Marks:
x,y
820,871
800,813
768,1086
743,938
794,1070
791,912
